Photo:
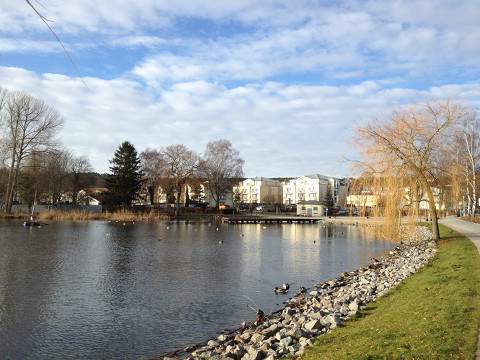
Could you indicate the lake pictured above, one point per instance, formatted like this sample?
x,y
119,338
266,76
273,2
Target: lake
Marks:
x,y
107,290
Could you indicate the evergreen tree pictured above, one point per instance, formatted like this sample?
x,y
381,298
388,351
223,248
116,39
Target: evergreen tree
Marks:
x,y
328,201
125,179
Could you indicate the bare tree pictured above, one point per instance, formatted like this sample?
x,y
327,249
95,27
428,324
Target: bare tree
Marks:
x,y
222,167
409,146
468,145
56,170
153,166
30,127
79,166
181,163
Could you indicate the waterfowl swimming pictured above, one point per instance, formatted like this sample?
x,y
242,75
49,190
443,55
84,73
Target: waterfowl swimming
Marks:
x,y
32,223
220,242
282,289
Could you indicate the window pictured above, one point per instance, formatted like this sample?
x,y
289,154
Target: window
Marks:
x,y
315,208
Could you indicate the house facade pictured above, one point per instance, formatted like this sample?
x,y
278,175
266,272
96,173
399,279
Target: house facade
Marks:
x,y
314,187
311,208
259,190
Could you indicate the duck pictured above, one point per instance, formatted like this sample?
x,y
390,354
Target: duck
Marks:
x,y
282,289
32,223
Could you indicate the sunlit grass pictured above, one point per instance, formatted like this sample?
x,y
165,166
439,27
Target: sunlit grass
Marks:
x,y
432,315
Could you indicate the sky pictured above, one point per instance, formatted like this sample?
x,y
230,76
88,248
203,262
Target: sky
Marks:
x,y
287,82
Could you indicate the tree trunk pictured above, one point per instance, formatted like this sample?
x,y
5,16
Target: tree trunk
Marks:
x,y
9,183
433,212
151,194
179,194
12,188
474,191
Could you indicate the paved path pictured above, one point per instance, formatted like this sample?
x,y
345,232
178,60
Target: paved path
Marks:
x,y
472,231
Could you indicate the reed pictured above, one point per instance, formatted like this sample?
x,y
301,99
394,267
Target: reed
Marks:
x,y
120,215
4,215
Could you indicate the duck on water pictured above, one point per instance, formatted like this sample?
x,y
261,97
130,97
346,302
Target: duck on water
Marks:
x,y
282,289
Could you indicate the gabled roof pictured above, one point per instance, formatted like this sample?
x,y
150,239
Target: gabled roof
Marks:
x,y
318,176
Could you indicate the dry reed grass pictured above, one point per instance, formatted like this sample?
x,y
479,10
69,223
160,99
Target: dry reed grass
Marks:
x,y
79,215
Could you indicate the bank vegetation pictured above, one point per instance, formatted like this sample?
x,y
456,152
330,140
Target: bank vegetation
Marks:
x,y
416,155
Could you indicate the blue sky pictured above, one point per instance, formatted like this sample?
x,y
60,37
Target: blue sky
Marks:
x,y
285,81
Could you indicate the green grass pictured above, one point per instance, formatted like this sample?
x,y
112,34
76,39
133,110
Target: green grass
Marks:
x,y
432,315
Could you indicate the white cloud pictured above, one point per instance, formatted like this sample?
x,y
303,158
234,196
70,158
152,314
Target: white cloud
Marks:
x,y
339,40
279,129
28,45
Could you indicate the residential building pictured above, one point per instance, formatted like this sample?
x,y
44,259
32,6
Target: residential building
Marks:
x,y
311,208
362,200
259,190
316,187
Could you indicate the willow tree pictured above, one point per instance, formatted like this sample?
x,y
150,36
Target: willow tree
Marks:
x,y
404,151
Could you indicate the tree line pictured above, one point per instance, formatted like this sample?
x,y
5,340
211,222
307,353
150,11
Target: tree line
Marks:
x,y
171,168
419,153
35,167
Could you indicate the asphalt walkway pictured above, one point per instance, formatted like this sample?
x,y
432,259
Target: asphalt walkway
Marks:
x,y
472,231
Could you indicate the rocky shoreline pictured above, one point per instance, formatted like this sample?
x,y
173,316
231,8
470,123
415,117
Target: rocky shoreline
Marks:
x,y
324,307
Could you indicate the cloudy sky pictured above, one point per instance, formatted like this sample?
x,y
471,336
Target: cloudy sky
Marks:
x,y
285,81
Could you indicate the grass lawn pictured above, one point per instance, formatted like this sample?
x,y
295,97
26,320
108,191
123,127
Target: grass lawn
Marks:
x,y
432,315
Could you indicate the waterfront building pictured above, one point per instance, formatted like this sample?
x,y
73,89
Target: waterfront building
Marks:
x,y
259,190
316,187
311,208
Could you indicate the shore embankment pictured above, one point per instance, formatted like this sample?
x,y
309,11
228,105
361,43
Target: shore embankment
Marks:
x,y
432,315
318,310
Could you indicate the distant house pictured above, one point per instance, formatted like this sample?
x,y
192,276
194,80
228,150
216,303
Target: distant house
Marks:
x,y
196,191
311,208
259,190
364,200
91,196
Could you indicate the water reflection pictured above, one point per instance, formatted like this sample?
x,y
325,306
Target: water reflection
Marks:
x,y
104,290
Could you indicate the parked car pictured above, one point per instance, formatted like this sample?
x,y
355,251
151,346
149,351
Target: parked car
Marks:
x,y
342,212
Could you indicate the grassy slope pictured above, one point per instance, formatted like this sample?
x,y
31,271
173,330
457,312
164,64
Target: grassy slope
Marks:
x,y
432,315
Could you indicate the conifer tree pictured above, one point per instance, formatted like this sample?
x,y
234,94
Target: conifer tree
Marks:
x,y
125,179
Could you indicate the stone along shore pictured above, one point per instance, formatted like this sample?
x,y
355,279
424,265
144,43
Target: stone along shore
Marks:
x,y
328,304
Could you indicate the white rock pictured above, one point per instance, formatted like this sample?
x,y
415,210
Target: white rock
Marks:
x,y
313,325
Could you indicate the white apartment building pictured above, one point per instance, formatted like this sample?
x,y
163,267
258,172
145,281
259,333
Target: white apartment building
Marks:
x,y
311,188
259,190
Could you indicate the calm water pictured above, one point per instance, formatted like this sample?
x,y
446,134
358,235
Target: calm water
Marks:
x,y
100,290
